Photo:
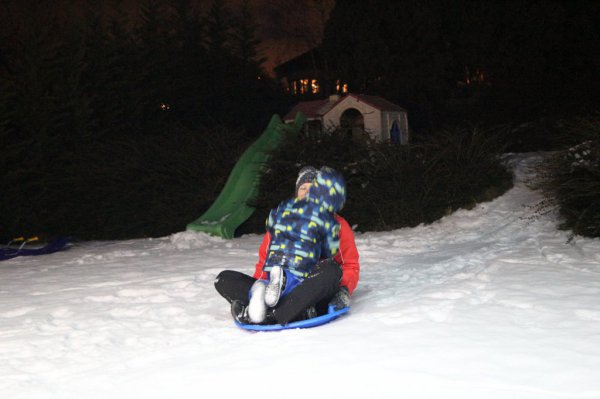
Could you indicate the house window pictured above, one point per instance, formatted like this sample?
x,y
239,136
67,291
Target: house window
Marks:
x,y
314,86
304,86
341,87
473,78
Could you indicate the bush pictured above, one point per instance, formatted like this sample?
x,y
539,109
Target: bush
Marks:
x,y
572,177
392,186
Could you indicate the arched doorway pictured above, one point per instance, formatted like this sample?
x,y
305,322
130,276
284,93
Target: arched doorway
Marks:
x,y
352,123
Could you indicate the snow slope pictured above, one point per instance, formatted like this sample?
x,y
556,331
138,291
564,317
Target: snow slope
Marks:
x,y
486,303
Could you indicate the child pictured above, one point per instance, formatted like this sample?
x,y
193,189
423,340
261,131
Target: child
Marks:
x,y
303,231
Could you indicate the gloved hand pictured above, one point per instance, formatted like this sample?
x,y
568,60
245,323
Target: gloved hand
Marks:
x,y
341,299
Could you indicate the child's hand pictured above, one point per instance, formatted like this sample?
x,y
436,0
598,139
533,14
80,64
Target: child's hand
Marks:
x,y
341,299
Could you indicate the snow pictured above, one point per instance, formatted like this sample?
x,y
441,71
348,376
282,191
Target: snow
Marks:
x,y
485,303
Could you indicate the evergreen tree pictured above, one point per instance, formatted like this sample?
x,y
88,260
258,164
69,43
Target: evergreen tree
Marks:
x,y
217,30
190,104
153,73
245,41
489,60
85,141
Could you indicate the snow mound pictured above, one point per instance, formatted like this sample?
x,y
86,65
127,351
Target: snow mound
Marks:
x,y
193,240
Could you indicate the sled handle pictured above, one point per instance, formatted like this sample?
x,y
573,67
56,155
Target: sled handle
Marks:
x,y
27,241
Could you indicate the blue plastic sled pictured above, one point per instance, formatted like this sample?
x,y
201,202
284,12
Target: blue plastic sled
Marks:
x,y
52,246
331,315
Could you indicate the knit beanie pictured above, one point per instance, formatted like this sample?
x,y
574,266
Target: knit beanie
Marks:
x,y
306,175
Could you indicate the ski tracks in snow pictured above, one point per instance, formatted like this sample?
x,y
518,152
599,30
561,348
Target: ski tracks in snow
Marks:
x,y
467,259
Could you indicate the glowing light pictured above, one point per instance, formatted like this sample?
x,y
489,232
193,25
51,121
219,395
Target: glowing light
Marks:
x,y
341,87
314,85
304,86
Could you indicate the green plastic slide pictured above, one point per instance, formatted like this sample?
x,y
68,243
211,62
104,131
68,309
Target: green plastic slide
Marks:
x,y
231,209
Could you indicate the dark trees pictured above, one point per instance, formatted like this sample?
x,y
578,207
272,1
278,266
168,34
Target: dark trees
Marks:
x,y
476,59
114,124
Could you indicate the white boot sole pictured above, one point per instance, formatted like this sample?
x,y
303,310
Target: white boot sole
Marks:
x,y
257,309
275,286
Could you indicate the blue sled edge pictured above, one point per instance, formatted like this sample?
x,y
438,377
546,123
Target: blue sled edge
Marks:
x,y
314,322
51,247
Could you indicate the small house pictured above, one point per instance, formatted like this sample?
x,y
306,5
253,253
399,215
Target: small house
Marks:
x,y
357,115
304,76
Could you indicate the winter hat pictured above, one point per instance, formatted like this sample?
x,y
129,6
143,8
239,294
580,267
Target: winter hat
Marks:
x,y
306,175
328,190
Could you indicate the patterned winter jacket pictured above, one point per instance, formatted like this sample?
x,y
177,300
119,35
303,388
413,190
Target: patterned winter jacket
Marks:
x,y
304,231
347,256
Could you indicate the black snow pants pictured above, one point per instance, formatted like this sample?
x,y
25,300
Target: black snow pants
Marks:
x,y
317,289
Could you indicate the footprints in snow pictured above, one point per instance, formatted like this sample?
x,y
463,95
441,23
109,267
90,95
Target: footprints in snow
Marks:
x,y
433,293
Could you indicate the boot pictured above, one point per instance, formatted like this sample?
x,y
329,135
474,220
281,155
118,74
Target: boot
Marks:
x,y
275,287
257,308
270,317
239,311
310,312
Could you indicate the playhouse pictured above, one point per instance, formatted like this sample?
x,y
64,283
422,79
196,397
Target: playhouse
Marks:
x,y
356,114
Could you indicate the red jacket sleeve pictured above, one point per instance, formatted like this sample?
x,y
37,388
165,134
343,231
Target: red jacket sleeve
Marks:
x,y
262,257
347,256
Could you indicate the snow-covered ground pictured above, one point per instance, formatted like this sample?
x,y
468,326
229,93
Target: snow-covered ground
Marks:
x,y
486,303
